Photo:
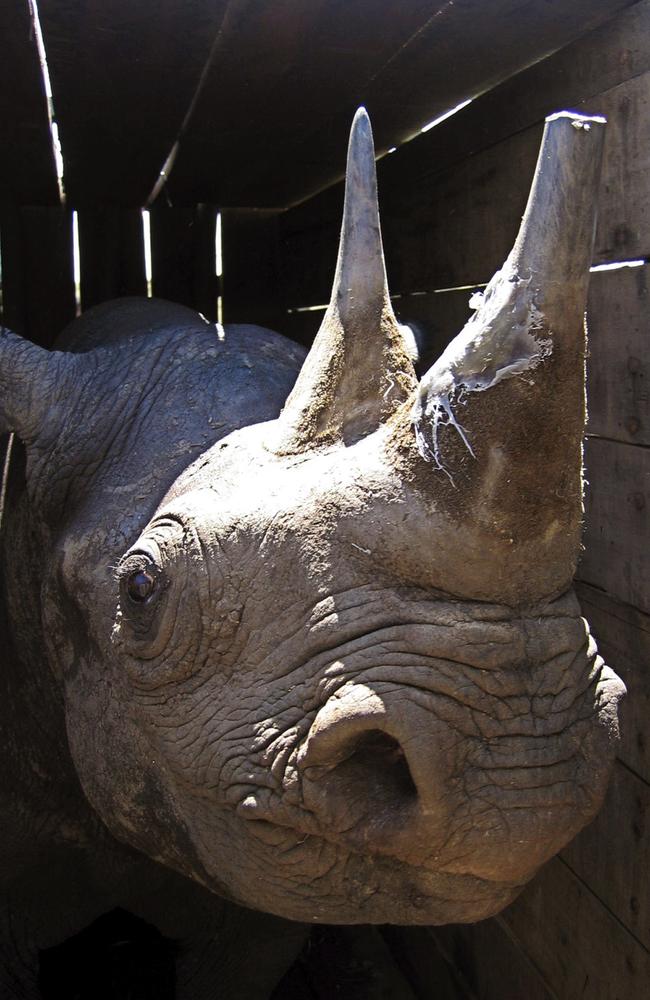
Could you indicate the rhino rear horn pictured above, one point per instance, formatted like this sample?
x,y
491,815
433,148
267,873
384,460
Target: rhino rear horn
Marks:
x,y
359,370
32,386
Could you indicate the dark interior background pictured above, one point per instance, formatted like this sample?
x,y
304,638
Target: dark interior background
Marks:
x,y
239,109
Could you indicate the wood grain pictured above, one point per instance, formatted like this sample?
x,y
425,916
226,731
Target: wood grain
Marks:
x,y
27,171
123,76
492,965
183,256
282,129
37,271
617,527
599,60
618,365
612,855
582,948
111,254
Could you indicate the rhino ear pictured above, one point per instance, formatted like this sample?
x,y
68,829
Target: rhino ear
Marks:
x,y
32,386
358,370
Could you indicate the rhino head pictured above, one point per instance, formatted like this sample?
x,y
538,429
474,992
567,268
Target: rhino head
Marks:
x,y
337,671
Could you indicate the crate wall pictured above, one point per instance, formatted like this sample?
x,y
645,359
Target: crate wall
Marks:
x,y
451,202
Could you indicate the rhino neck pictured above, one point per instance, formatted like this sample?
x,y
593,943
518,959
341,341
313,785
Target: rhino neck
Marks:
x,y
42,799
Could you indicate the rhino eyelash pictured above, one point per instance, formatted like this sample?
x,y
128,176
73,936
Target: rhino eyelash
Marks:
x,y
131,563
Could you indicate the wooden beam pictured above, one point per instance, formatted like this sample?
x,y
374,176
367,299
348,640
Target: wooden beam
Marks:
x,y
618,367
27,171
123,76
281,129
251,291
624,211
598,61
448,223
112,254
492,963
581,949
183,256
37,271
459,227
284,127
617,530
613,853
456,227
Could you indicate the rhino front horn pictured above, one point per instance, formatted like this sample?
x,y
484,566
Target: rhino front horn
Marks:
x,y
498,421
358,371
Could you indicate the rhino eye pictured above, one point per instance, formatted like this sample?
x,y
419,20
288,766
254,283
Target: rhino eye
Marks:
x,y
140,586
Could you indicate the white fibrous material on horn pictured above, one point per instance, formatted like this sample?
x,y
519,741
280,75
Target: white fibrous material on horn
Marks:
x,y
500,341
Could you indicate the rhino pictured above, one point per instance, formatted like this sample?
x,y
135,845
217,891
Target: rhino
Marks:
x,y
294,640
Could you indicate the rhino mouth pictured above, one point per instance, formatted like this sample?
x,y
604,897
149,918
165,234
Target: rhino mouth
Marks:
x,y
360,886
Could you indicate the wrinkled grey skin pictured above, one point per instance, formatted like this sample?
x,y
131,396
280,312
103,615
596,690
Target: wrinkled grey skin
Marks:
x,y
162,386
355,685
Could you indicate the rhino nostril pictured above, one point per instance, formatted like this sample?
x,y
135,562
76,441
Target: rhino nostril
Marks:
x,y
376,767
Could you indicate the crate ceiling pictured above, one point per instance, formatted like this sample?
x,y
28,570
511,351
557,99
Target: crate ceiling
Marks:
x,y
254,97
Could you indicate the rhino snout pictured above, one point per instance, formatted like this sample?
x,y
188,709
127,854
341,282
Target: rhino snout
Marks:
x,y
367,774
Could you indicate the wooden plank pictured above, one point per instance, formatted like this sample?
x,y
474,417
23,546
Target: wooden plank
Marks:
x,y
308,246
612,854
123,76
206,286
623,637
456,227
301,326
618,368
276,122
598,61
172,253
111,254
27,171
481,45
617,527
416,951
37,271
580,948
183,256
623,230
459,229
492,964
456,231
250,268
409,62
350,963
